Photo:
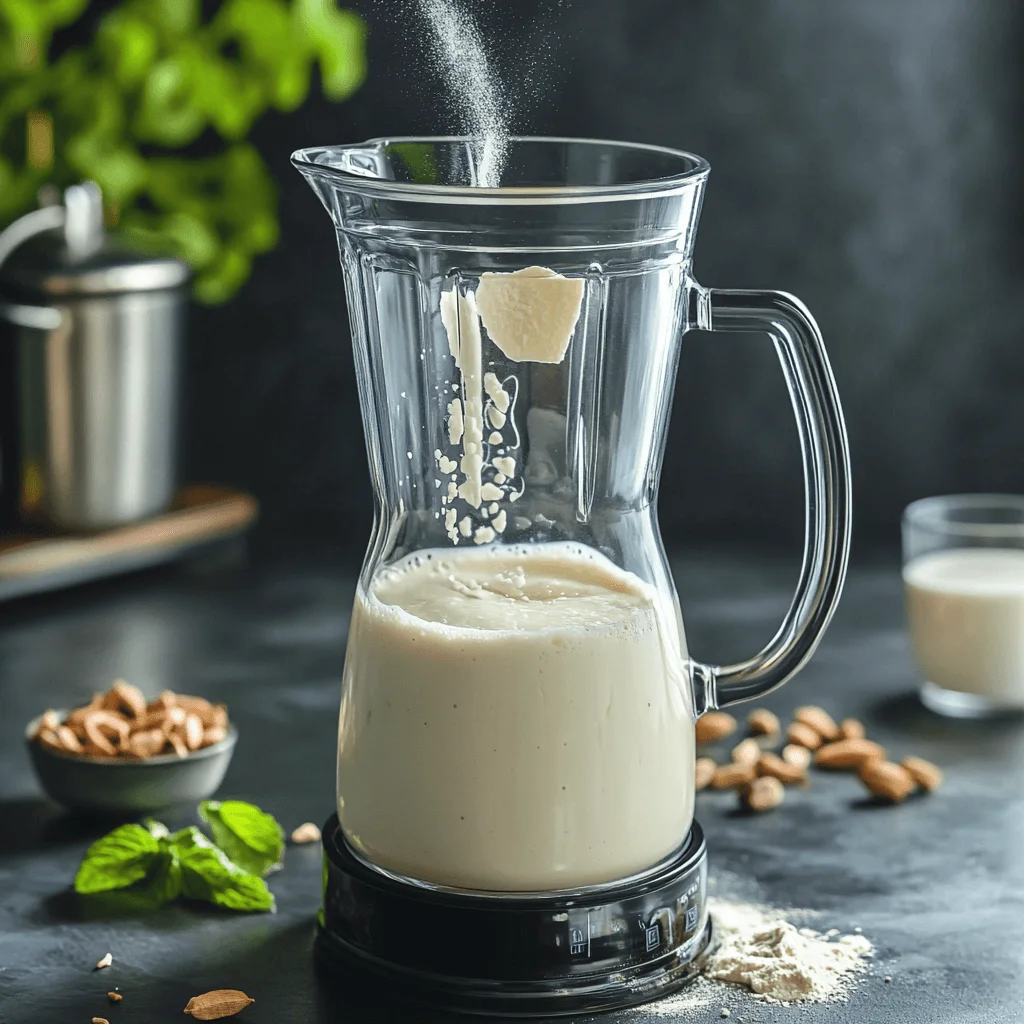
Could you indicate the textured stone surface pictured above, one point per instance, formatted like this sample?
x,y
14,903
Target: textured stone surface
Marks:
x,y
937,884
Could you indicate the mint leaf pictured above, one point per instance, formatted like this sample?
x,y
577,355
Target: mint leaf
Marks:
x,y
163,883
249,836
119,859
208,874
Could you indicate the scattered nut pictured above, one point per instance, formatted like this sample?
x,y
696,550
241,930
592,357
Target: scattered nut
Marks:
x,y
845,754
886,780
703,772
105,962
115,997
746,752
803,735
729,776
927,775
307,832
799,757
100,1020
221,1002
819,720
774,766
714,726
851,729
763,794
763,722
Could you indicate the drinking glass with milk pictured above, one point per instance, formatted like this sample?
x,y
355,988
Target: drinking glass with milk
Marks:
x,y
963,576
518,699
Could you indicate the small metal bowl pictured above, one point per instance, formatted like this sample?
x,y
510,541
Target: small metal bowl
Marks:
x,y
115,785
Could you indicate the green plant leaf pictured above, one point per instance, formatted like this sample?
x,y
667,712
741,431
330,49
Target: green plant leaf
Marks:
x,y
338,37
208,874
249,836
119,859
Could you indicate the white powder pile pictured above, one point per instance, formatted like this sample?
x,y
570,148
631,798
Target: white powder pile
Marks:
x,y
780,963
758,950
461,59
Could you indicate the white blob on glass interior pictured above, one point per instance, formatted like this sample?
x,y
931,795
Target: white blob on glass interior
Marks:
x,y
530,314
462,325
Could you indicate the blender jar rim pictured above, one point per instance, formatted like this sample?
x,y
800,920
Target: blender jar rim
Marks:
x,y
319,161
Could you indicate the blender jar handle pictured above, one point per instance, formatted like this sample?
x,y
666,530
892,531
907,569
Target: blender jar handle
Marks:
x,y
826,463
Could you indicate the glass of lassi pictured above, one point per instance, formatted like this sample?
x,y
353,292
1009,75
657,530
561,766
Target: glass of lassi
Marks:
x,y
963,581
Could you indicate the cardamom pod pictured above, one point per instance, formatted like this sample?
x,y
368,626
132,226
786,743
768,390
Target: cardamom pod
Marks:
x,y
221,1002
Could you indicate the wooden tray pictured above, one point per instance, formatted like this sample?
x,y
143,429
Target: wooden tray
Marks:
x,y
33,563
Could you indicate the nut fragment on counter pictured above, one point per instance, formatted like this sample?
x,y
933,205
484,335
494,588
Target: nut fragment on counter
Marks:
x,y
714,726
851,729
729,776
846,754
307,832
774,766
803,735
819,720
119,723
927,775
107,960
115,996
746,752
887,780
763,794
703,772
763,722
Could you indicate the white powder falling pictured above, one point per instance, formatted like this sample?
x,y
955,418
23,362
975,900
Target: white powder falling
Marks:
x,y
780,963
461,59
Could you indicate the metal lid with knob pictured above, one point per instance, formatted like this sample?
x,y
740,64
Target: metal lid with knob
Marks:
x,y
62,251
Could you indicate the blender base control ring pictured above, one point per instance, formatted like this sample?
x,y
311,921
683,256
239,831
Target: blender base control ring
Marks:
x,y
506,955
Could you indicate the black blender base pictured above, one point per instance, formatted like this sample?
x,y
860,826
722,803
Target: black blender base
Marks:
x,y
507,955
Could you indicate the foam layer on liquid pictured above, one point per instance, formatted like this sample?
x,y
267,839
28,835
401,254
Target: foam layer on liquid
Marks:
x,y
515,719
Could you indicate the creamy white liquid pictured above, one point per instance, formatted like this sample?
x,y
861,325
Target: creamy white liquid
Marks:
x,y
965,609
515,719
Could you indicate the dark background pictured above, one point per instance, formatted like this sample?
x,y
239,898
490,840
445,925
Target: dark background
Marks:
x,y
865,156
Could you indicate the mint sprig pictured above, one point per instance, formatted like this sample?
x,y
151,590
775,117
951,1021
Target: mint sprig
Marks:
x,y
156,866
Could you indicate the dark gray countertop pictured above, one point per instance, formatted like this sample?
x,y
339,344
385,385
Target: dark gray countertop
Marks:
x,y
937,883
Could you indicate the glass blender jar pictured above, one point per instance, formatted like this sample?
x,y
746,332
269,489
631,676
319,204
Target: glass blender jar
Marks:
x,y
516,744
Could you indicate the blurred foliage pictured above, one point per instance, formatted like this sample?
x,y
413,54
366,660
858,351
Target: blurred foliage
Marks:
x,y
160,77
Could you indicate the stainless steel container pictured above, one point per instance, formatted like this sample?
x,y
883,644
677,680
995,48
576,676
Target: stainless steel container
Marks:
x,y
96,330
